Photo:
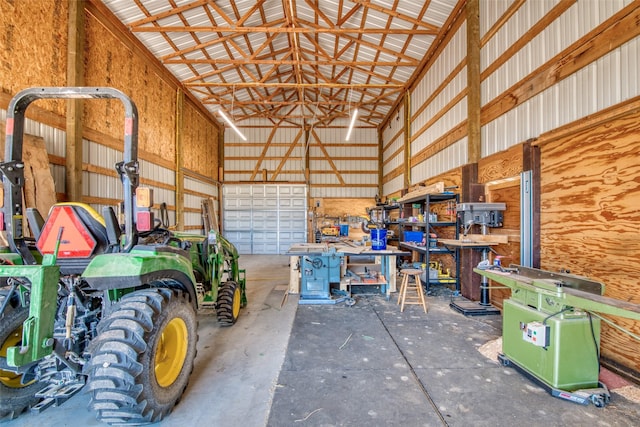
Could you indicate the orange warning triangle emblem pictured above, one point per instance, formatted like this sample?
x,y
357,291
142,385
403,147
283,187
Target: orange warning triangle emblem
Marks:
x,y
76,240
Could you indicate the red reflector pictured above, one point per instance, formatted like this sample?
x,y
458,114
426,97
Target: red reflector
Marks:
x,y
1,221
76,240
9,127
143,221
128,126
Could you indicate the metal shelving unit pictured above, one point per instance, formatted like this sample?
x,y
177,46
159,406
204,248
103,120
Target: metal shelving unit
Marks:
x,y
381,214
426,251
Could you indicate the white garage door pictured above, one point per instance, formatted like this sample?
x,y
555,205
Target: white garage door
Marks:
x,y
264,218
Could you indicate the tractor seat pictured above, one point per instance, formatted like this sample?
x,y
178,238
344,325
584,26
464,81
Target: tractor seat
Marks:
x,y
84,234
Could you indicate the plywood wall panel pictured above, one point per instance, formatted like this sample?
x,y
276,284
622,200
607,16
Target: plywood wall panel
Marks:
x,y
569,63
109,62
33,46
509,194
590,197
500,173
200,143
502,165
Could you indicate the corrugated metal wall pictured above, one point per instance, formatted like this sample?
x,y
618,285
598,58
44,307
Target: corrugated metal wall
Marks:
x,y
393,153
529,43
601,84
54,140
342,169
277,151
273,154
438,106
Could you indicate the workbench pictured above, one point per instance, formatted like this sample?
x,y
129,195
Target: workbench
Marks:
x,y
382,270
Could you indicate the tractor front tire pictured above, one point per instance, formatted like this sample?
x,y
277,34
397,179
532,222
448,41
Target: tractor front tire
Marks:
x,y
229,303
142,357
16,396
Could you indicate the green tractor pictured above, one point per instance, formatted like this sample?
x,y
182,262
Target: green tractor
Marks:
x,y
88,302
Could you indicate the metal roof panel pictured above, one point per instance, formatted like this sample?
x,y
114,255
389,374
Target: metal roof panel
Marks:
x,y
319,52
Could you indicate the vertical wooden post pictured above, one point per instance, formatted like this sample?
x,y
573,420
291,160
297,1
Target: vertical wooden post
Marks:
x,y
75,77
471,191
307,181
307,135
407,140
474,101
380,163
220,177
179,161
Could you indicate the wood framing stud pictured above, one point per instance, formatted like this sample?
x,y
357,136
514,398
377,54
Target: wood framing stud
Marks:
x,y
179,160
75,77
474,146
407,140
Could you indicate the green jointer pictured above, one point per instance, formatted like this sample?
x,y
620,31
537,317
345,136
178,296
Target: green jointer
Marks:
x,y
91,301
551,329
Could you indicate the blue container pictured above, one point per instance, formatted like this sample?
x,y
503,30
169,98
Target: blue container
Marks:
x,y
413,236
378,239
344,229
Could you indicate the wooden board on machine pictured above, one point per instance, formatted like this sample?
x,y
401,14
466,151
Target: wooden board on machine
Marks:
x,y
435,188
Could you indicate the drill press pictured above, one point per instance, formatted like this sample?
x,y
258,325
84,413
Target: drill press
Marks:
x,y
486,215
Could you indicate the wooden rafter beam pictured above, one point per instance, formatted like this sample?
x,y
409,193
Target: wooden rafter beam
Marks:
x,y
301,103
290,14
368,44
166,14
277,30
267,144
319,14
291,62
327,157
220,40
287,155
349,14
391,12
294,85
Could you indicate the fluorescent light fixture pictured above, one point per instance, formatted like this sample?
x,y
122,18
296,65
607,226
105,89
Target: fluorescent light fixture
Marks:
x,y
353,121
228,120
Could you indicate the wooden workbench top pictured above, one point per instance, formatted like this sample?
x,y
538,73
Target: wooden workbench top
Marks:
x,y
476,240
466,243
341,247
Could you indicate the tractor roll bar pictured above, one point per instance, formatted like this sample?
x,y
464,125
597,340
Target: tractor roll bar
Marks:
x,y
12,168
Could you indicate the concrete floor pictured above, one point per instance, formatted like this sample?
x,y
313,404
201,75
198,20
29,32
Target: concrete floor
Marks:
x,y
236,367
290,365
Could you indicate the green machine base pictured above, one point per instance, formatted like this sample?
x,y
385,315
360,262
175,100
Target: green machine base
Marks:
x,y
561,350
599,396
551,329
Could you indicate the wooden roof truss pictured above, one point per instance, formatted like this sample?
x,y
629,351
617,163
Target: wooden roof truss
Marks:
x,y
304,62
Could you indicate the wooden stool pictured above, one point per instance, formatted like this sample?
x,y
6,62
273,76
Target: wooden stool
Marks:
x,y
416,286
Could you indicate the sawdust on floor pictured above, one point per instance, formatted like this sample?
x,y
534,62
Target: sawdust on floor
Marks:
x,y
629,392
491,349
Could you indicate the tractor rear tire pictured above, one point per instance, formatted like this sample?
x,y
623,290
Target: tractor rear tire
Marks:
x,y
142,357
229,303
16,397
